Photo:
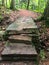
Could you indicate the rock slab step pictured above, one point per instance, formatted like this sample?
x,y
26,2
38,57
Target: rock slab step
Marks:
x,y
19,52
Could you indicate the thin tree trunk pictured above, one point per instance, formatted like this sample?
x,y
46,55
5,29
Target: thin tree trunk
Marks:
x,y
3,4
45,15
46,11
28,4
12,6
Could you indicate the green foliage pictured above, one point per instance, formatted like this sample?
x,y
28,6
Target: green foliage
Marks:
x,y
1,17
35,5
5,36
1,12
47,23
42,54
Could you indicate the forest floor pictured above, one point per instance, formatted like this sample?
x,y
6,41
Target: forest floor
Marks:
x,y
14,15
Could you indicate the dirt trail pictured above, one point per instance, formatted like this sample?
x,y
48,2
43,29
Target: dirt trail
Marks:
x,y
21,12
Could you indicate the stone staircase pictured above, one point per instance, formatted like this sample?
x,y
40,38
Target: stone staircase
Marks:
x,y
19,45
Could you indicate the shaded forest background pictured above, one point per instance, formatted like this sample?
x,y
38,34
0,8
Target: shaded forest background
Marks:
x,y
35,5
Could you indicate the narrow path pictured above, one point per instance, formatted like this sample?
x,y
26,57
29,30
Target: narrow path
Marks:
x,y
21,12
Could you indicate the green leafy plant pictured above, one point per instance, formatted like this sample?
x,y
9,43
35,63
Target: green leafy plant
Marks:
x,y
42,54
5,36
1,17
47,23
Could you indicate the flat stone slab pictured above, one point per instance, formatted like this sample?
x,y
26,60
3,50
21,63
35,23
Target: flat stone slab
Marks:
x,y
22,31
17,52
22,23
18,63
20,38
19,49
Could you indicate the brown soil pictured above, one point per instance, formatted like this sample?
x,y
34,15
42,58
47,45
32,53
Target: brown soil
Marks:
x,y
15,14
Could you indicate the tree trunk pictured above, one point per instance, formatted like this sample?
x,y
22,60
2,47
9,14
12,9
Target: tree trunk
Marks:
x,y
46,11
3,4
12,6
46,14
28,4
